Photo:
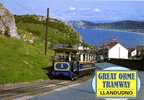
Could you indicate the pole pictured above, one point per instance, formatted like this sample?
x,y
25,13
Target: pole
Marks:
x,y
46,33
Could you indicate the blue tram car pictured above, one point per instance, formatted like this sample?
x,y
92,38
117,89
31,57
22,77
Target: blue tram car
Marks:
x,y
66,64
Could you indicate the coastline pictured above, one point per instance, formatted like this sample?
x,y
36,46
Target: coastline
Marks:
x,y
116,30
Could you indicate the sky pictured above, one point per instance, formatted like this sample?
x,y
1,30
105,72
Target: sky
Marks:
x,y
92,10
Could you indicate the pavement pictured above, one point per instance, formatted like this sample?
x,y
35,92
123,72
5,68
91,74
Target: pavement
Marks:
x,y
29,90
80,89
83,91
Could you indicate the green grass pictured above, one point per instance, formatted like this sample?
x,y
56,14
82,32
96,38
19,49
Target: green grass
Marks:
x,y
22,62
58,32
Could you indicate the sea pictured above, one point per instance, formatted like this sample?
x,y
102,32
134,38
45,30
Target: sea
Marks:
x,y
98,37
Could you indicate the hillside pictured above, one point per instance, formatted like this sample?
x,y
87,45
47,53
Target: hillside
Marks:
x,y
132,26
82,24
7,23
127,25
23,61
58,31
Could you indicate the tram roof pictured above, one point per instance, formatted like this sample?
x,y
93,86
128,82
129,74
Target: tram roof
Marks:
x,y
65,50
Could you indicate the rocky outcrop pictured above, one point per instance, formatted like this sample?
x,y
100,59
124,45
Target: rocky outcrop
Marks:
x,y
7,23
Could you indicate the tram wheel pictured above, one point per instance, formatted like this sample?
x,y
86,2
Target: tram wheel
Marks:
x,y
74,78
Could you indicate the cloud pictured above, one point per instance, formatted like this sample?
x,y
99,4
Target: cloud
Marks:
x,y
72,8
84,9
97,10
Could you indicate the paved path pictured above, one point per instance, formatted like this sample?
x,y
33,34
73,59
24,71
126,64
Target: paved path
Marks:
x,y
58,90
24,91
83,92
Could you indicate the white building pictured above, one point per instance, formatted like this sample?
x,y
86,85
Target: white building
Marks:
x,y
118,51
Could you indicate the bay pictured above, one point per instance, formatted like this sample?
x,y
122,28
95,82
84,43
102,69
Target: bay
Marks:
x,y
98,37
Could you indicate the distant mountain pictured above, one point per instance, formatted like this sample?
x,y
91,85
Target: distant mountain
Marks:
x,y
127,25
82,24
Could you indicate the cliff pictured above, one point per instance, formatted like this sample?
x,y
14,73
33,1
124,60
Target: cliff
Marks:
x,y
7,23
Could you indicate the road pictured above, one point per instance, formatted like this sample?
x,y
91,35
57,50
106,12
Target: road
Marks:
x,y
26,91
80,89
81,92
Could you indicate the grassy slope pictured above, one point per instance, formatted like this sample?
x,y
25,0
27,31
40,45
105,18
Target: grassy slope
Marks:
x,y
23,62
58,32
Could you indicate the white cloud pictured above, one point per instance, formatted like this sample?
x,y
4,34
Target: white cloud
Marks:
x,y
97,10
72,8
84,9
74,13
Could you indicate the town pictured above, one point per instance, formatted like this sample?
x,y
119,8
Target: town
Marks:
x,y
116,53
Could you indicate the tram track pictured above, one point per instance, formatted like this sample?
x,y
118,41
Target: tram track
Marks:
x,y
36,88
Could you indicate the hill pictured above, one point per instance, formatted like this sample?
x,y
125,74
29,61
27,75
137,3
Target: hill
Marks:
x,y
58,31
7,23
24,61
82,24
127,25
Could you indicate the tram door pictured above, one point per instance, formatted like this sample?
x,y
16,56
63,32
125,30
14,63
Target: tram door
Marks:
x,y
75,63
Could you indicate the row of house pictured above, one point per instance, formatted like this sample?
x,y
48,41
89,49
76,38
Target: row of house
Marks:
x,y
111,50
115,50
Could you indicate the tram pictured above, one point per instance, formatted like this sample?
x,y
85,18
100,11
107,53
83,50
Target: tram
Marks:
x,y
66,64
